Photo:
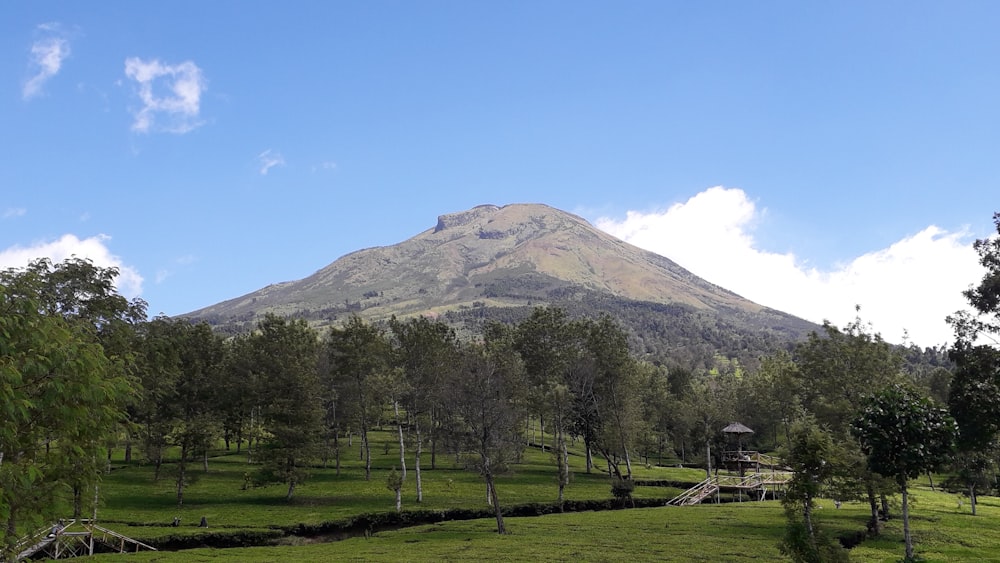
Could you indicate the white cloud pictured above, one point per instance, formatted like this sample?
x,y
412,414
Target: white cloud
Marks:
x,y
129,281
911,285
11,212
46,59
269,159
170,93
326,165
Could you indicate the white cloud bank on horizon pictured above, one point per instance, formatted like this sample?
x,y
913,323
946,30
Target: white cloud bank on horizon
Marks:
x,y
170,92
47,56
129,282
910,286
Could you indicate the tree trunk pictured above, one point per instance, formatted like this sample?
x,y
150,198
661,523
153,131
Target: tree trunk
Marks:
x,y
367,451
434,447
972,497
128,451
708,459
501,528
885,506
204,461
873,523
399,500
590,456
291,489
336,451
807,519
931,479
402,447
416,462
77,501
906,523
181,474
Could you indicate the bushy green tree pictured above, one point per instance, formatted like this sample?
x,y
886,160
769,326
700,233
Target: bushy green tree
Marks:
x,y
64,383
286,355
487,402
903,435
811,454
357,356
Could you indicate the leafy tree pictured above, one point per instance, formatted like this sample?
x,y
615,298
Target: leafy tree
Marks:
x,y
985,297
549,345
614,393
357,355
903,436
974,393
425,350
974,403
487,400
286,354
811,454
837,371
62,391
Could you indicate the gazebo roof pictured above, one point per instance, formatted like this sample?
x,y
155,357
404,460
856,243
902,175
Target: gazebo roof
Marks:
x,y
737,428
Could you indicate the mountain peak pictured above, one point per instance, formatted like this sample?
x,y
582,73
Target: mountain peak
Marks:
x,y
495,257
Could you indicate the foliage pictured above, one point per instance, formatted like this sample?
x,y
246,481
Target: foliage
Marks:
x,y
286,357
904,436
812,455
63,384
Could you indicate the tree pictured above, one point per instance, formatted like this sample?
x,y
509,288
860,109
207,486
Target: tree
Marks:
x,y
62,391
903,435
614,393
837,371
974,403
549,345
974,393
811,455
286,354
984,298
357,354
487,403
426,351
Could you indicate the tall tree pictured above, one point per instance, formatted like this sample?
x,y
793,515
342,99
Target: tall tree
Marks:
x,y
974,403
811,454
426,351
838,370
903,435
487,402
286,354
549,346
62,391
357,355
615,393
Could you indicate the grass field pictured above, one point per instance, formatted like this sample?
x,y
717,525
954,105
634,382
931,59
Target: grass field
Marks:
x,y
748,531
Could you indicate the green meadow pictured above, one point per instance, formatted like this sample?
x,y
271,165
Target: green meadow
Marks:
x,y
133,504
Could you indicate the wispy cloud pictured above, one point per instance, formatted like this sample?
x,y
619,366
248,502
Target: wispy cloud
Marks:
x,y
12,212
326,165
909,286
170,95
95,248
45,59
269,159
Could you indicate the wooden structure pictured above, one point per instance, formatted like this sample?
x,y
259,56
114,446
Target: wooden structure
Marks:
x,y
72,539
757,475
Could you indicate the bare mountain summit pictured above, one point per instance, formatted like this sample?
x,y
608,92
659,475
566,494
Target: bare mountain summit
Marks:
x,y
495,262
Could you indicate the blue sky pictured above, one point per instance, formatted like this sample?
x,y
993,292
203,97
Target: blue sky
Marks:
x,y
810,156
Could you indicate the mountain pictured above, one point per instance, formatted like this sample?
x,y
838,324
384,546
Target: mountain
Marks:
x,y
493,262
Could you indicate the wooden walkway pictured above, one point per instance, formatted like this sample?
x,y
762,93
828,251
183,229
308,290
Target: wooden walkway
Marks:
x,y
761,474
75,538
